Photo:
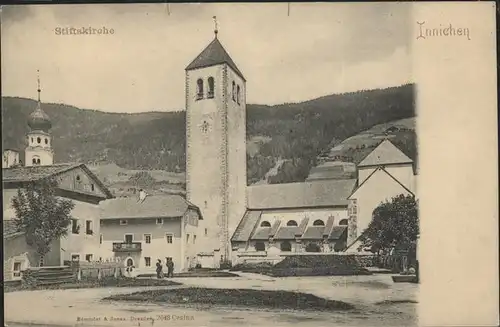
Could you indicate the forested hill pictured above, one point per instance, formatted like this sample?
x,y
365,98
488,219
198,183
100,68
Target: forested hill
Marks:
x,y
156,140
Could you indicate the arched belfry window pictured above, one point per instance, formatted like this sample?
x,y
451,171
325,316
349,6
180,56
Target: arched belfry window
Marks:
x,y
291,223
211,88
238,94
234,91
199,92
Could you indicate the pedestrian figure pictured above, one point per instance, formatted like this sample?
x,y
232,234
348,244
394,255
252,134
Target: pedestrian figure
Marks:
x,y
159,269
170,267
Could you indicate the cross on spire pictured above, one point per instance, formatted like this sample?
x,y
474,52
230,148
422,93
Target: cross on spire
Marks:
x,y
38,80
215,24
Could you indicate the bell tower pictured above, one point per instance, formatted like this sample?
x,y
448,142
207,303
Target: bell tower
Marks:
x,y
216,146
39,150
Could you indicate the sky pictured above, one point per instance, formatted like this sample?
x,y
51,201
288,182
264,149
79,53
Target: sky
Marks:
x,y
319,49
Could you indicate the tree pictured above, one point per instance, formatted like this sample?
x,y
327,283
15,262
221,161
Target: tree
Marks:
x,y
394,224
142,179
41,215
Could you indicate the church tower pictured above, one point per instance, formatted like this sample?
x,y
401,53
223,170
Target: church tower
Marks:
x,y
39,150
216,146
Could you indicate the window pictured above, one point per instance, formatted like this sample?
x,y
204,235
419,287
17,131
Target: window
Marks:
x,y
92,187
38,161
147,238
318,222
238,94
38,140
234,91
206,231
199,94
46,141
123,222
41,262
187,238
100,239
129,238
75,257
75,227
88,257
343,222
260,246
194,239
32,140
147,261
159,221
17,269
88,227
286,246
170,238
34,161
291,223
211,93
78,177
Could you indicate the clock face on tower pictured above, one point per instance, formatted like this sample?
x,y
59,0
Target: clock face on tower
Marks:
x,y
206,124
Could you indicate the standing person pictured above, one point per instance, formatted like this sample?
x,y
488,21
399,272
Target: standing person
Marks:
x,y
170,267
158,269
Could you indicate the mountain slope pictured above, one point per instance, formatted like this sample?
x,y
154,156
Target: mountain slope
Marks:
x,y
156,140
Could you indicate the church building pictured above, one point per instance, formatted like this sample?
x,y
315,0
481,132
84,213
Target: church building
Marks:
x,y
75,182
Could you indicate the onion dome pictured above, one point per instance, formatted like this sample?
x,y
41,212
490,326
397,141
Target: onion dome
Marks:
x,y
39,120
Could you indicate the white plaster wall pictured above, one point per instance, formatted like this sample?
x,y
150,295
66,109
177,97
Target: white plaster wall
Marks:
x,y
403,173
296,214
379,188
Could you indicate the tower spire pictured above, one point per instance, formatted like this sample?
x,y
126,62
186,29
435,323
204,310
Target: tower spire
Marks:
x,y
215,28
38,79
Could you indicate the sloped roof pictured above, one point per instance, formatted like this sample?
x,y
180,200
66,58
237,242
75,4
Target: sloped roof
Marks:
x,y
385,153
246,226
314,232
20,174
329,225
154,206
214,54
286,233
262,233
300,195
337,232
34,173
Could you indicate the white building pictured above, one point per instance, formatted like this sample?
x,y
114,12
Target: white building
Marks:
x,y
140,231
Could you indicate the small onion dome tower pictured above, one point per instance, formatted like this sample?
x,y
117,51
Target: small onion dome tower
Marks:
x,y
39,150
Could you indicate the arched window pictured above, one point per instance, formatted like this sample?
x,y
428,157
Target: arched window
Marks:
x,y
46,141
38,161
238,94
318,222
78,177
32,140
211,88
343,222
38,140
34,161
286,246
260,246
265,224
199,94
291,223
234,91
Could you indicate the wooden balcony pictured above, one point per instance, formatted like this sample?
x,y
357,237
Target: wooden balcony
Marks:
x,y
127,247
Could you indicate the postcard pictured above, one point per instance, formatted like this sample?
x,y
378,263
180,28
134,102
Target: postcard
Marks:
x,y
265,164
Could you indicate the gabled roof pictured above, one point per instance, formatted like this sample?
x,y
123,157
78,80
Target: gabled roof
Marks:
x,y
382,170
327,193
214,54
154,206
385,153
22,174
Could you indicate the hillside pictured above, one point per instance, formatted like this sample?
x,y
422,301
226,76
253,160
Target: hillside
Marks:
x,y
156,140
